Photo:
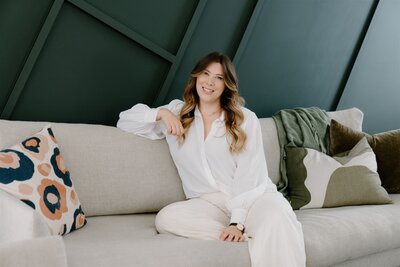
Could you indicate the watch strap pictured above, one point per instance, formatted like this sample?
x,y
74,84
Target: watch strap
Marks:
x,y
239,226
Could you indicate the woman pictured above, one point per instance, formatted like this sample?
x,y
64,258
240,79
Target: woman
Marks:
x,y
216,145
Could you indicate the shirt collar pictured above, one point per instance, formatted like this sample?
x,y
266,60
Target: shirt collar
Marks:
x,y
198,114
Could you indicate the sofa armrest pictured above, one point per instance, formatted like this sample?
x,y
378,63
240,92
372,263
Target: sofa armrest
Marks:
x,y
19,221
39,252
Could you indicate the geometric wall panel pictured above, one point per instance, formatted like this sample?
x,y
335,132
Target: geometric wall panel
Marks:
x,y
163,22
88,72
298,53
87,60
374,83
20,22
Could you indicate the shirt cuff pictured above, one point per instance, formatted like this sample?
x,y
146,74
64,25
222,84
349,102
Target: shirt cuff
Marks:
x,y
151,115
239,216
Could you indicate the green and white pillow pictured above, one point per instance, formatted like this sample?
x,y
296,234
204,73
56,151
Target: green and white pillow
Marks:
x,y
317,180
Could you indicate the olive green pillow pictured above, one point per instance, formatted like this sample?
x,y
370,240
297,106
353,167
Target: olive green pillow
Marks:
x,y
317,180
386,147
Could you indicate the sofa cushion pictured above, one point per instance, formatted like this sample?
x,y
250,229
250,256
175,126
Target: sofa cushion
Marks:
x,y
385,145
316,180
34,172
385,258
46,251
114,172
132,240
350,117
336,235
332,236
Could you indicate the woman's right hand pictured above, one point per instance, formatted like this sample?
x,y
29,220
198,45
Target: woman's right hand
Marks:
x,y
172,123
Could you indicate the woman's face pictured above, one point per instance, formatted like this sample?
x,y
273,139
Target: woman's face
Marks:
x,y
210,83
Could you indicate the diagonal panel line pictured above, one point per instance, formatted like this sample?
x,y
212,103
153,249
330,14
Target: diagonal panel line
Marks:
x,y
249,30
354,56
31,60
181,51
131,34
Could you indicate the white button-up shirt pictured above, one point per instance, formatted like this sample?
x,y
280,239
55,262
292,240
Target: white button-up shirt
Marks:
x,y
207,166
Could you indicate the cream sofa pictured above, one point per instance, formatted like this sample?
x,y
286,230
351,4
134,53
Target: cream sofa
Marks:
x,y
122,181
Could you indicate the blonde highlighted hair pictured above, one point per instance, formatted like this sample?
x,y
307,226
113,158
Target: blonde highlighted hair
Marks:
x,y
231,101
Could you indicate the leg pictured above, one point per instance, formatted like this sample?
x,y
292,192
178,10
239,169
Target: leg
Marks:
x,y
276,237
194,218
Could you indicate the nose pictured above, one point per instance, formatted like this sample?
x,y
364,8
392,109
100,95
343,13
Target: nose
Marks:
x,y
210,80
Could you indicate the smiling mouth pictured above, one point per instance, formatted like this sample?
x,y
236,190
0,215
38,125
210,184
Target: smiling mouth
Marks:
x,y
208,91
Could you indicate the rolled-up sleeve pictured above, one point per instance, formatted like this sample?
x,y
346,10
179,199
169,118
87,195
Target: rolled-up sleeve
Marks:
x,y
142,120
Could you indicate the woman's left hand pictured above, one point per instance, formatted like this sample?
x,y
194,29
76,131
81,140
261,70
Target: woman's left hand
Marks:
x,y
231,234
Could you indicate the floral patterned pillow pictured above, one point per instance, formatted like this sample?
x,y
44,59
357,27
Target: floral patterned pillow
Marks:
x,y
34,172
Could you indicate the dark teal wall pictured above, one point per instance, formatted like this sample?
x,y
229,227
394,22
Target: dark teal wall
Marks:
x,y
85,61
374,83
20,22
298,53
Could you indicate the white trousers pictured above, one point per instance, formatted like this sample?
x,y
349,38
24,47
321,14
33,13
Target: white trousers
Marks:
x,y
275,237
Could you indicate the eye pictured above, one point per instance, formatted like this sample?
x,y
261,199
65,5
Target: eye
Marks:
x,y
219,78
206,73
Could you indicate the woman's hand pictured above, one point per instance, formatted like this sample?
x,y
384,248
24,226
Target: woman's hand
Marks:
x,y
231,234
174,126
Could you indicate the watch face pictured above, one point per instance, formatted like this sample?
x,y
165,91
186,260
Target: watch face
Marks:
x,y
240,226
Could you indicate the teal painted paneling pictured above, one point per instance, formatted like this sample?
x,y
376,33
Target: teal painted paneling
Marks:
x,y
220,29
101,57
298,53
20,22
87,72
163,22
374,83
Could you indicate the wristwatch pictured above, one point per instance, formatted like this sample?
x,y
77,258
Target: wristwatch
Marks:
x,y
239,226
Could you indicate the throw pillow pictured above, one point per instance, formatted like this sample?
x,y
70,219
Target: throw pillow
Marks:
x,y
386,147
317,180
34,172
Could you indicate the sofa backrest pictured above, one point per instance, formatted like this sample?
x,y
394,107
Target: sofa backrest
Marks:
x,y
115,172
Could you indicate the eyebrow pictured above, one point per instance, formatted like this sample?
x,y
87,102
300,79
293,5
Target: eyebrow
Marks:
x,y
215,74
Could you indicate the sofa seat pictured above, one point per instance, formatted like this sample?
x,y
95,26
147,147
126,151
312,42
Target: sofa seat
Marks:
x,y
337,235
131,240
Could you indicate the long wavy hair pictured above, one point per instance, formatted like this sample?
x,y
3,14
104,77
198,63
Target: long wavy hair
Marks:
x,y
231,101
